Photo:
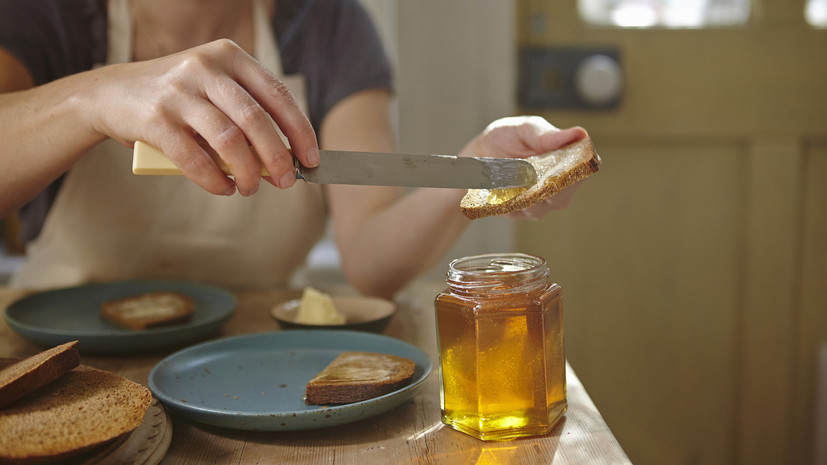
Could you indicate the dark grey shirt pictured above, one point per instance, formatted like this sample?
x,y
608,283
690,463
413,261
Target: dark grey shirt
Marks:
x,y
332,43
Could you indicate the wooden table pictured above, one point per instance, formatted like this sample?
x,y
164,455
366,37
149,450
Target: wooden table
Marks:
x,y
409,434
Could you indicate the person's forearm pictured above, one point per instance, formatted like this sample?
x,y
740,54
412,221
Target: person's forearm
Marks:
x,y
404,240
386,239
44,130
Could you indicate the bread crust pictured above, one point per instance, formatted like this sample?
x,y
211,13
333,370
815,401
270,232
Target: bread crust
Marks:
x,y
81,410
122,311
582,158
357,376
27,375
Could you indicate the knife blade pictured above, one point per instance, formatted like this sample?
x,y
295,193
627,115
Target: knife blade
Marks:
x,y
377,169
387,169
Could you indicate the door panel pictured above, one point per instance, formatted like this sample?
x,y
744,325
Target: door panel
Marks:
x,y
813,317
693,264
651,305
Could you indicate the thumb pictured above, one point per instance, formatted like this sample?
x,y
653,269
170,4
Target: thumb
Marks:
x,y
553,140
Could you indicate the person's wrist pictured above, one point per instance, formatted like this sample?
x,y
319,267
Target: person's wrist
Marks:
x,y
83,100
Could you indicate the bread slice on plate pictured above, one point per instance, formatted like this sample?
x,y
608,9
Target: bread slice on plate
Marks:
x,y
36,371
79,411
149,310
556,170
357,376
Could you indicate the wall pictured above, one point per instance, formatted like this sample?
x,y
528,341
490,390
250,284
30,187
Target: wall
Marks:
x,y
454,70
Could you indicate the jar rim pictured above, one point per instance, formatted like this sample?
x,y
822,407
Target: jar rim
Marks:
x,y
494,265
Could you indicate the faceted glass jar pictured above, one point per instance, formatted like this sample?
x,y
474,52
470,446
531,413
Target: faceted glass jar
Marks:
x,y
500,334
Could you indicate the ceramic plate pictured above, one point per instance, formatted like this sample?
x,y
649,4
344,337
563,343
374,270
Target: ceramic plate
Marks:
x,y
53,317
361,313
256,382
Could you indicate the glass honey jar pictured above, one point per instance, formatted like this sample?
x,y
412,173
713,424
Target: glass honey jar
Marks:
x,y
502,362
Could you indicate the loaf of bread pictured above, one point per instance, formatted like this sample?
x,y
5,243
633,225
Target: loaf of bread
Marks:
x,y
556,170
358,376
81,410
149,310
25,376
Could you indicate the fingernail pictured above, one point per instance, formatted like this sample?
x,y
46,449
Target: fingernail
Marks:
x,y
287,180
253,190
230,191
313,157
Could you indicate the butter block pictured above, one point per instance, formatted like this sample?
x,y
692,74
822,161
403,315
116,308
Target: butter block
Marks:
x,y
147,160
317,308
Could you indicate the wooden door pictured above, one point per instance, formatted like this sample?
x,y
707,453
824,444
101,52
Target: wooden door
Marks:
x,y
694,264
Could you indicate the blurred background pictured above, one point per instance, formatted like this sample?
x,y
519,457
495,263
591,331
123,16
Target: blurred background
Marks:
x,y
694,264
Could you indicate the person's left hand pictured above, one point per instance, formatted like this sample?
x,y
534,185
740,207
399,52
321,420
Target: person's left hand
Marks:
x,y
521,137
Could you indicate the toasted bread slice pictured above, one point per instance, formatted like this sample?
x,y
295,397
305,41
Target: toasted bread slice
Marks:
x,y
149,310
36,371
556,170
358,376
79,411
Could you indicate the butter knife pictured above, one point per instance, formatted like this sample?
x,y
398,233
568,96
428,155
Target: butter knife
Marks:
x,y
377,169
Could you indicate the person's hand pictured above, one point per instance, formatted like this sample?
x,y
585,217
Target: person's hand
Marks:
x,y
216,92
521,137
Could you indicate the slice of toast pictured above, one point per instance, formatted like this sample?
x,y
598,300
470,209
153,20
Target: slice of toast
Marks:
x,y
81,410
556,170
36,371
358,376
149,310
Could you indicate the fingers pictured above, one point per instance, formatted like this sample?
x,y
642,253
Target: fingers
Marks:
x,y
543,137
554,139
194,162
225,137
525,136
277,100
558,201
243,123
233,104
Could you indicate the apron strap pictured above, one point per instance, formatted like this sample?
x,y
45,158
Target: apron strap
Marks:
x,y
119,47
265,46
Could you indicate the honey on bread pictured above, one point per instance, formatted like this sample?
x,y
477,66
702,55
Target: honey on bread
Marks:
x,y
498,196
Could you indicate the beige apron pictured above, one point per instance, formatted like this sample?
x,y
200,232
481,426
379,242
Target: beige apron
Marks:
x,y
108,224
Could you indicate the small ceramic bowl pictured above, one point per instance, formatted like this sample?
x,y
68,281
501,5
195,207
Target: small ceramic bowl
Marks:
x,y
361,313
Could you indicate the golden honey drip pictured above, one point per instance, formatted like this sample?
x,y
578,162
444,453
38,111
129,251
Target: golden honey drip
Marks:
x,y
498,196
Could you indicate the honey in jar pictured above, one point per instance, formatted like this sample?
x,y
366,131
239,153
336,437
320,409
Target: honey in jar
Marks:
x,y
500,335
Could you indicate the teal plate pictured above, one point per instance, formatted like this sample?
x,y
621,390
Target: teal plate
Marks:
x,y
256,382
53,317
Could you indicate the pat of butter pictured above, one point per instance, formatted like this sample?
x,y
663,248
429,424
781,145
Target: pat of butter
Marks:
x,y
148,160
317,308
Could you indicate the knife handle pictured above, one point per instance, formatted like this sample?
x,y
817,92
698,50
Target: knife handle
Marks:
x,y
147,160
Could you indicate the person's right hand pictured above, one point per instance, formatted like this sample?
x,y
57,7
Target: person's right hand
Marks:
x,y
215,91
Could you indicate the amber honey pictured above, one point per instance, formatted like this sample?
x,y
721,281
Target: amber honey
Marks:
x,y
500,335
498,196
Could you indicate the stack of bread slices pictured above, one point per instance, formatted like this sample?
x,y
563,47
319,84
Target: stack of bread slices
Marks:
x,y
52,409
